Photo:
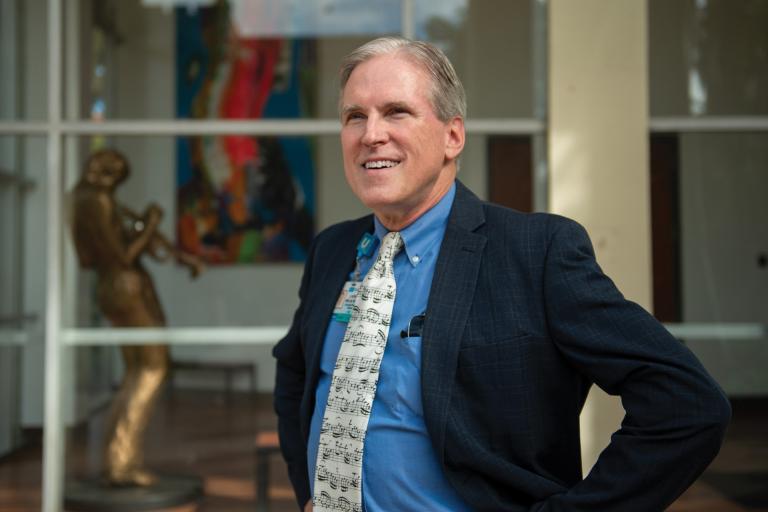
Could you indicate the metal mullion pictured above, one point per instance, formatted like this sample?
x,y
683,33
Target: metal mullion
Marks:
x,y
717,331
24,128
204,127
505,126
540,58
407,20
13,338
539,41
266,335
708,124
273,127
23,187
18,181
540,173
268,127
53,433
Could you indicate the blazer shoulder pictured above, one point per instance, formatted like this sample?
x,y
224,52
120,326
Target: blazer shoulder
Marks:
x,y
491,217
542,224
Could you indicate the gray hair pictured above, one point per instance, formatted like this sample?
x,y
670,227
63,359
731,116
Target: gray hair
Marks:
x,y
448,97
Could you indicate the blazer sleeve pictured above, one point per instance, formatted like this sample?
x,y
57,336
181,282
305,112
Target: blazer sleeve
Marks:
x,y
289,392
676,415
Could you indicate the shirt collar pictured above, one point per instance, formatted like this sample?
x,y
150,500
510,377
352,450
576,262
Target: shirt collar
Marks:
x,y
419,236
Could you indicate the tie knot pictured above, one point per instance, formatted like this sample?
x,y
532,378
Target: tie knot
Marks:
x,y
390,246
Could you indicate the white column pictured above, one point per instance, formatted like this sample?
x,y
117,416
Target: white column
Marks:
x,y
598,154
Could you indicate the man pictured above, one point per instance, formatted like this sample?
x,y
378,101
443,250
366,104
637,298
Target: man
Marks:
x,y
454,377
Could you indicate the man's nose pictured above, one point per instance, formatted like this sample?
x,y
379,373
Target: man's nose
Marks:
x,y
375,132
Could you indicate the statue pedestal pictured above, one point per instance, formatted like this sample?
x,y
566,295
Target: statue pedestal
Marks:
x,y
97,496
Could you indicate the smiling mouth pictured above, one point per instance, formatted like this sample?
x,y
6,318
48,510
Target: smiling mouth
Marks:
x,y
380,164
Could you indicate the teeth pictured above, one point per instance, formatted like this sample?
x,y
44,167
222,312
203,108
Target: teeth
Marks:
x,y
380,164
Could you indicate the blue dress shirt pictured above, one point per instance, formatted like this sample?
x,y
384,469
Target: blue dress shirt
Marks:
x,y
400,467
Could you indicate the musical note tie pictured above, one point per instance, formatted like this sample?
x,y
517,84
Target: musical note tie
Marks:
x,y
339,467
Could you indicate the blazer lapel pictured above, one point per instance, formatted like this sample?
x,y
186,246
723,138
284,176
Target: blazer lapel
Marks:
x,y
339,262
450,299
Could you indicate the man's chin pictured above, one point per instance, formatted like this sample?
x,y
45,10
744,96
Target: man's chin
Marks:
x,y
377,198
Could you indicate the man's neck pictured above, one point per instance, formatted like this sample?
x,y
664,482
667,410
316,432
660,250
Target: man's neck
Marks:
x,y
397,220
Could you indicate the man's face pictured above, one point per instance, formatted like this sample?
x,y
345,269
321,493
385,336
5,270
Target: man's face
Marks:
x,y
399,158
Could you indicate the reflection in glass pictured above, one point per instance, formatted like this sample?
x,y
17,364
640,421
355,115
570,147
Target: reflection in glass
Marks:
x,y
491,45
98,77
711,244
221,60
222,73
439,21
299,18
708,57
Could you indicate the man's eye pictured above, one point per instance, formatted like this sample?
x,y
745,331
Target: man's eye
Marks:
x,y
353,116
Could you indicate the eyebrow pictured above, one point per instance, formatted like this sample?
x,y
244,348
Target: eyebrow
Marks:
x,y
397,104
349,108
387,106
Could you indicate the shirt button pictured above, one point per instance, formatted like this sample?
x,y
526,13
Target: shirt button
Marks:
x,y
415,259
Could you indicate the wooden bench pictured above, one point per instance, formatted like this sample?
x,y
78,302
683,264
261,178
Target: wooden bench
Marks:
x,y
228,369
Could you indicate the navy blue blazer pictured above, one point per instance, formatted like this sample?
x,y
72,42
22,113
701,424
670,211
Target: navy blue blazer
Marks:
x,y
521,322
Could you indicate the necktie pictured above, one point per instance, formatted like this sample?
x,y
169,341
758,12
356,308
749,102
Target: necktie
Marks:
x,y
339,467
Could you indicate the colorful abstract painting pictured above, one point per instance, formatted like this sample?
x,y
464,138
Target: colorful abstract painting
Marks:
x,y
241,198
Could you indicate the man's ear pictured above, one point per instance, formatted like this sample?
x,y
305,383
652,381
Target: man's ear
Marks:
x,y
455,137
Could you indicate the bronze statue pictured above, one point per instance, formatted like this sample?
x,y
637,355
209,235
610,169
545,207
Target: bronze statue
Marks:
x,y
111,239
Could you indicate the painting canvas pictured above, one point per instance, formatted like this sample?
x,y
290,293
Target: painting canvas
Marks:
x,y
241,198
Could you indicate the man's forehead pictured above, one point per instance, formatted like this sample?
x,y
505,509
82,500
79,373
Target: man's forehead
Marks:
x,y
398,89
398,63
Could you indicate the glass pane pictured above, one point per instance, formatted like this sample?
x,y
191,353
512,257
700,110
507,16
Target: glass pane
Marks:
x,y
253,266
23,60
718,248
22,230
491,44
22,303
217,398
220,60
708,57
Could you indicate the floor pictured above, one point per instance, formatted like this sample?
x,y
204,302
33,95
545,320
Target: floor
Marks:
x,y
206,434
